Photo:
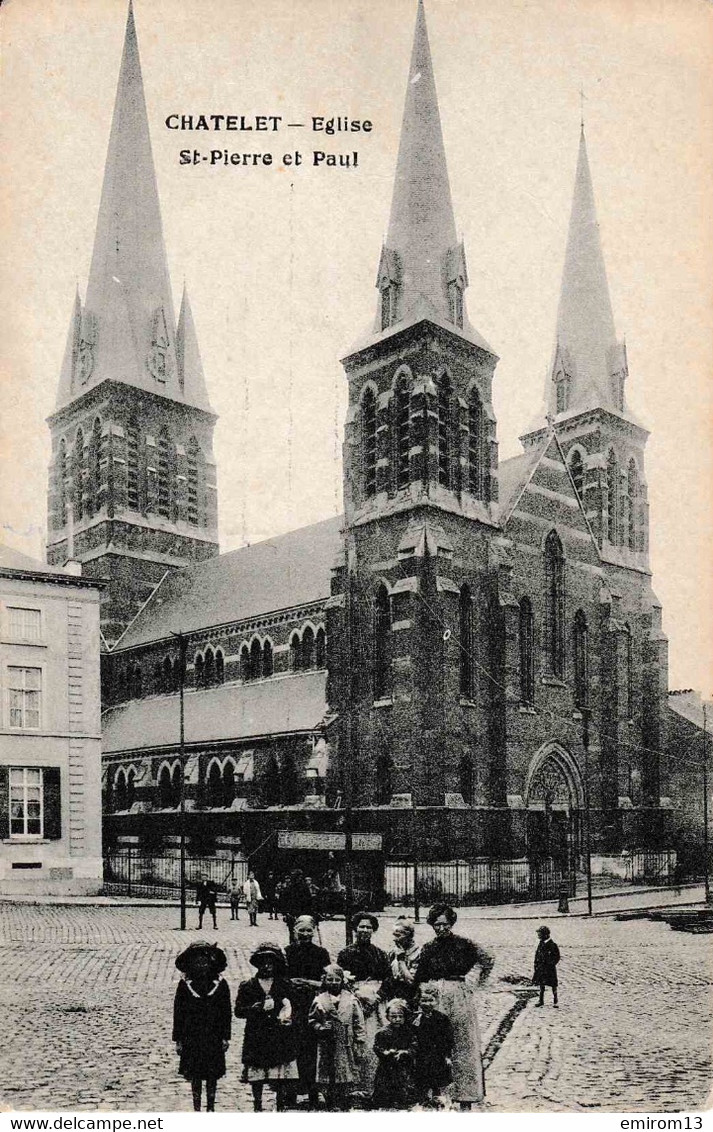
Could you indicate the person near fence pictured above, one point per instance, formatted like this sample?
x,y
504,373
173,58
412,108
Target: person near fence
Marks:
x,y
403,958
337,1021
547,956
434,1049
369,967
253,896
269,896
206,896
445,966
236,892
306,962
201,1019
265,1002
395,1050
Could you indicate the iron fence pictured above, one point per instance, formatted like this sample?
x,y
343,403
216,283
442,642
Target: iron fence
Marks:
x,y
649,866
477,882
128,873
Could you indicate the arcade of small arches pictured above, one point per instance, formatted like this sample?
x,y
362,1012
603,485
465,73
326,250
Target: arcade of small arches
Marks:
x,y
167,481
453,419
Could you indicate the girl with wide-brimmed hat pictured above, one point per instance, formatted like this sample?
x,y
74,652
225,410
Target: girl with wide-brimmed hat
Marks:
x,y
201,1019
265,1002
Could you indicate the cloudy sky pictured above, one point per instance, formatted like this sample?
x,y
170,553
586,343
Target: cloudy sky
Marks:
x,y
281,264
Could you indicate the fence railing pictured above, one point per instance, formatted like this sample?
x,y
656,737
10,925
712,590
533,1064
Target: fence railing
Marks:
x,y
159,877
477,882
652,865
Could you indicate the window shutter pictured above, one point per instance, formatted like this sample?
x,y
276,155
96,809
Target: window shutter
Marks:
x,y
4,803
52,802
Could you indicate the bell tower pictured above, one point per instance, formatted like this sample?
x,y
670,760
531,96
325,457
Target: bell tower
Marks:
x,y
132,484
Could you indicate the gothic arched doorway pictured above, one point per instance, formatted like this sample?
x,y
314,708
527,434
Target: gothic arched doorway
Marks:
x,y
555,800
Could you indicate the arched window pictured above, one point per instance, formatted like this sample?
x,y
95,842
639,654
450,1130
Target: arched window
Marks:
x,y
554,575
368,439
165,788
214,786
130,789
245,663
402,433
382,632
62,484
295,652
384,780
255,660
576,467
199,665
120,798
632,493
629,673
209,668
94,472
168,683
78,476
164,474
158,677
308,648
466,642
228,782
320,649
476,446
194,510
580,645
388,304
445,431
466,780
527,653
132,466
455,302
268,659
612,497
219,667
176,780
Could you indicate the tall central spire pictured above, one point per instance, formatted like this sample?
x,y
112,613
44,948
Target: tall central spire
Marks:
x,y
422,273
587,354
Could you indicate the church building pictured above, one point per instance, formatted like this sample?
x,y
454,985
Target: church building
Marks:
x,y
470,658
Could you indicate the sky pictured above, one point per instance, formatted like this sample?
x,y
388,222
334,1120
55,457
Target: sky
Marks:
x,y
280,263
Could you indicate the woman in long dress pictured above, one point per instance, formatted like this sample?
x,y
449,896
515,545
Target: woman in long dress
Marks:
x,y
369,966
443,966
305,965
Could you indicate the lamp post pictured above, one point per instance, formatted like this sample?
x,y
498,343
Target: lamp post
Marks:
x,y
587,807
347,762
182,649
706,867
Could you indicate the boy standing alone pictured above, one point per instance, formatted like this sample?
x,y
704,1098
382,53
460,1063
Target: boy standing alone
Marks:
x,y
547,956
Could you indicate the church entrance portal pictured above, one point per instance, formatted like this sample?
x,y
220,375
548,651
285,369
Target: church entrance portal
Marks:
x,y
554,807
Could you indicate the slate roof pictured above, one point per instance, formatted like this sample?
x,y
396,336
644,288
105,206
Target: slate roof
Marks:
x,y
277,706
291,570
512,477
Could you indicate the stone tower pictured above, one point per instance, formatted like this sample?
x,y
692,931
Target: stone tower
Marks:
x,y
132,487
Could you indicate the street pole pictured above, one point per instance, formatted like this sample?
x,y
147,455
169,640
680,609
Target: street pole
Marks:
x,y
587,807
348,759
182,649
415,834
706,867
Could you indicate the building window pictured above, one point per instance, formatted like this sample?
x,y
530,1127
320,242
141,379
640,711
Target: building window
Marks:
x,y
554,575
167,683
26,809
193,508
199,665
219,667
388,304
476,446
62,484
295,652
632,492
24,624
255,660
320,649
466,780
132,465
24,696
215,786
455,302
78,476
245,663
307,649
94,469
164,474
368,425
165,788
612,497
402,433
209,668
445,431
268,659
527,653
580,642
384,780
382,632
130,788
466,642
576,468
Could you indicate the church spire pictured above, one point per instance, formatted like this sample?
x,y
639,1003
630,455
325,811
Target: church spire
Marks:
x,y
422,272
190,367
589,364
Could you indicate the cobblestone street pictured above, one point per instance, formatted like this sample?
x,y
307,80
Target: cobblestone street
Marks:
x,y
86,995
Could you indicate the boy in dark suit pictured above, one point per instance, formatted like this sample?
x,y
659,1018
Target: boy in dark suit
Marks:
x,y
547,956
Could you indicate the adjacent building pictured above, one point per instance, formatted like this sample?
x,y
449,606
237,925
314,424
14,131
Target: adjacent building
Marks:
x,y
50,729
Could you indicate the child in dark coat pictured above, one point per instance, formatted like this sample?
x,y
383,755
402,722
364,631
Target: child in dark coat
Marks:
x,y
547,956
201,1019
395,1048
434,1049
